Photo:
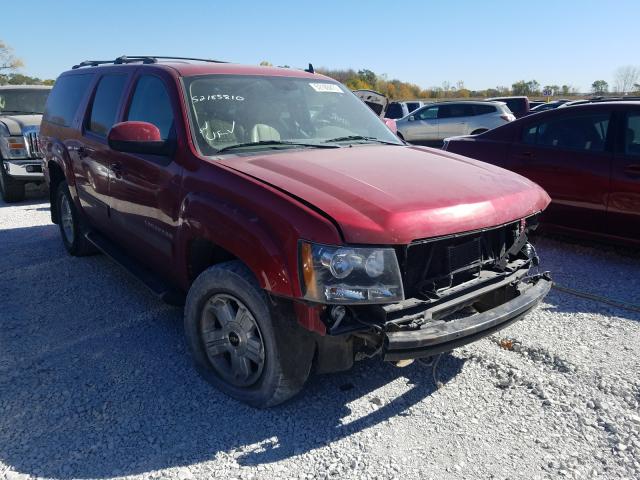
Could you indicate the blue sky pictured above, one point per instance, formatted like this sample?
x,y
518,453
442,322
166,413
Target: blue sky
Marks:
x,y
484,43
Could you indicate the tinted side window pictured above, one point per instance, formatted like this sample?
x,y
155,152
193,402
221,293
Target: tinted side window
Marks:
x,y
151,104
427,113
411,106
632,134
105,103
65,98
584,132
483,109
455,110
394,110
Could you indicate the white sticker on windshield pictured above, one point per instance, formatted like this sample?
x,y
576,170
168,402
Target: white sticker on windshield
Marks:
x,y
326,87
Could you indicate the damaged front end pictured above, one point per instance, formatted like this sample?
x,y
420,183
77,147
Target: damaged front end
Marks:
x,y
457,289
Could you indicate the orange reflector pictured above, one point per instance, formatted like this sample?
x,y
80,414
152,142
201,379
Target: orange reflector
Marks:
x,y
16,145
308,273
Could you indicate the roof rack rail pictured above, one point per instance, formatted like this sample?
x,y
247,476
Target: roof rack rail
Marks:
x,y
139,58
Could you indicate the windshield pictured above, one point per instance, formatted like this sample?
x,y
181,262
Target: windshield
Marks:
x,y
277,112
23,100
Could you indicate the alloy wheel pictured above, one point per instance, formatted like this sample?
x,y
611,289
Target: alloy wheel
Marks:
x,y
232,340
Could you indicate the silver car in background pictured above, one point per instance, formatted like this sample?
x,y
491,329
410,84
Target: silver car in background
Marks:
x,y
437,121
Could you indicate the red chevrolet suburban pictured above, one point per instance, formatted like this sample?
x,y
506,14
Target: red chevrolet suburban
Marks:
x,y
301,231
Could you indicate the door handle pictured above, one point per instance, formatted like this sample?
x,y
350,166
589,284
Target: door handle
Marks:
x,y
632,169
116,168
526,154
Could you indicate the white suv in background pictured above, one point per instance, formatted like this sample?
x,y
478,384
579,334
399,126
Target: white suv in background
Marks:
x,y
437,121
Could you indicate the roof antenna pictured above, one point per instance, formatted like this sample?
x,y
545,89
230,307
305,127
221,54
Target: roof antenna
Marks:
x,y
310,69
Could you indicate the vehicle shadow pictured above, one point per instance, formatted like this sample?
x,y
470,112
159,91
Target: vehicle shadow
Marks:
x,y
95,380
34,195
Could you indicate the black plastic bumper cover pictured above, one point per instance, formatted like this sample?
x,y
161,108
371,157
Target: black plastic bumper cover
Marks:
x,y
443,337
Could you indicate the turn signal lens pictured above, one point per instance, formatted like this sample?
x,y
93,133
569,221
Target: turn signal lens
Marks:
x,y
308,273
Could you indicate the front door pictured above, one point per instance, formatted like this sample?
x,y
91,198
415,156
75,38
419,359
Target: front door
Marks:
x,y
144,188
570,157
623,213
424,126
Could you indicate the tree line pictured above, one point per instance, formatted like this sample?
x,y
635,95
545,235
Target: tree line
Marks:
x,y
626,81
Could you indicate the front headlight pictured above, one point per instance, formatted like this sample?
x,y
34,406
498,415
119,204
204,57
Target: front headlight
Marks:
x,y
349,275
13,147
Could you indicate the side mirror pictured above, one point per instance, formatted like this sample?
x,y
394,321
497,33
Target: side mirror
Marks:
x,y
139,137
411,118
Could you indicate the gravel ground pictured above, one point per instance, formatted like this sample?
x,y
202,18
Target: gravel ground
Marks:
x,y
95,382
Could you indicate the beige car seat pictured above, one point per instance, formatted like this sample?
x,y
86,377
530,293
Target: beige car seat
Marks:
x,y
264,133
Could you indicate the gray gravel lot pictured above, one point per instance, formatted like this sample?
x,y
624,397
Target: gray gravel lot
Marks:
x,y
95,382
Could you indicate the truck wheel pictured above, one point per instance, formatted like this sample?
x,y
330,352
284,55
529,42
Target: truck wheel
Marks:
x,y
70,228
12,190
239,344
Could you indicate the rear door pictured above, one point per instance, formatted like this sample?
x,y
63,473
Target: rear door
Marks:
x,y
144,188
570,156
424,126
92,168
453,119
623,212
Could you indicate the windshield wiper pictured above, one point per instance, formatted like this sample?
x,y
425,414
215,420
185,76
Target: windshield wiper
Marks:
x,y
360,137
274,143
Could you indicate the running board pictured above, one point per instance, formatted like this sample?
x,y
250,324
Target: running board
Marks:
x,y
159,288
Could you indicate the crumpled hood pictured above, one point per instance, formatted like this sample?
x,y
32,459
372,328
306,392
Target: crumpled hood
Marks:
x,y
396,194
16,123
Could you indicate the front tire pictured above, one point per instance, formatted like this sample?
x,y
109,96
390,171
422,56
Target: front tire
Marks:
x,y
12,190
239,343
71,229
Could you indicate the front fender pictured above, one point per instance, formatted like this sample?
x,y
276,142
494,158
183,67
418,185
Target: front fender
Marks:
x,y
268,248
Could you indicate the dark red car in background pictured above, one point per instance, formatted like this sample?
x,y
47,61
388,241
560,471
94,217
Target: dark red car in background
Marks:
x,y
586,157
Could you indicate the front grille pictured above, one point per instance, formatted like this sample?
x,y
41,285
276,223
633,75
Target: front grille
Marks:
x,y
433,265
33,146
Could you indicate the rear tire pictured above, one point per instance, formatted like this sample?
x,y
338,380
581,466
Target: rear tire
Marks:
x,y
71,229
239,343
12,190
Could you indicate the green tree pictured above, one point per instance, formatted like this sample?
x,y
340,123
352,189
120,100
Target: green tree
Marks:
x,y
520,88
367,76
19,79
600,87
